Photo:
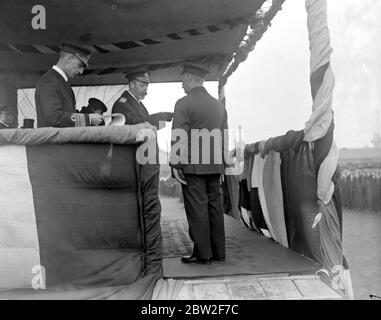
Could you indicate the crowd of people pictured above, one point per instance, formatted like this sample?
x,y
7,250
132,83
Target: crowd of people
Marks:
x,y
361,190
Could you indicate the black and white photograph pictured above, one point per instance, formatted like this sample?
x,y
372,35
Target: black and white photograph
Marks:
x,y
213,152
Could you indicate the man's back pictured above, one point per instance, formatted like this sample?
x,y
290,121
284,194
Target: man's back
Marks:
x,y
193,113
205,111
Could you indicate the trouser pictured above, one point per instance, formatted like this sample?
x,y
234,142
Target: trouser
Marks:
x,y
204,211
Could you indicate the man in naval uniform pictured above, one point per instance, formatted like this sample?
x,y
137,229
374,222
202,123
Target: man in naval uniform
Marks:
x,y
131,106
130,103
55,100
200,180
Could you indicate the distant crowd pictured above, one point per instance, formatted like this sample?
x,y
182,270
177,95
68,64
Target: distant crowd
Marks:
x,y
170,187
361,190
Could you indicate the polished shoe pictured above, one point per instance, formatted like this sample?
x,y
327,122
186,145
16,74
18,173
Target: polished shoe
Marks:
x,y
218,258
193,259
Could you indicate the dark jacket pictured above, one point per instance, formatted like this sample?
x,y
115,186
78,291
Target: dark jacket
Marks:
x,y
135,112
86,110
199,110
55,101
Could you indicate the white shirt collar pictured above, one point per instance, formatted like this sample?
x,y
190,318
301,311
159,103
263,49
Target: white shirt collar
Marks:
x,y
61,72
137,99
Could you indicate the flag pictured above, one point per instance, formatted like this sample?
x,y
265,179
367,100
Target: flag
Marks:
x,y
73,218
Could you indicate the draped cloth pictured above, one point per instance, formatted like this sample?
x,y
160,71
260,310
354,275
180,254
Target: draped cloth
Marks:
x,y
322,86
80,218
298,192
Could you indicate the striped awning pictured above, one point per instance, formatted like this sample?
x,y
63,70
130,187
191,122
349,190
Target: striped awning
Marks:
x,y
123,34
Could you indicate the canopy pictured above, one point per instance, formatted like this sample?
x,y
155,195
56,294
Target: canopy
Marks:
x,y
122,34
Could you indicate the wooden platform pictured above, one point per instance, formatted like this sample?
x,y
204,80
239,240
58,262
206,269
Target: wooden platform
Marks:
x,y
257,288
247,251
256,267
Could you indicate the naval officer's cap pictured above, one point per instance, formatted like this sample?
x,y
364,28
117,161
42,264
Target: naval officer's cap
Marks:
x,y
195,69
138,74
82,53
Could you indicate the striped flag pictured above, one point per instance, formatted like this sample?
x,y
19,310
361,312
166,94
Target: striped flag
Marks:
x,y
71,217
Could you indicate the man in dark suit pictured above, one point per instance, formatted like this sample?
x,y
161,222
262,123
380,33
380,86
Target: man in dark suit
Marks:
x,y
55,100
131,106
199,169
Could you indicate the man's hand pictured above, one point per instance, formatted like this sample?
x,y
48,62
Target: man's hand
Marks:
x,y
179,176
167,116
222,179
95,119
157,119
160,116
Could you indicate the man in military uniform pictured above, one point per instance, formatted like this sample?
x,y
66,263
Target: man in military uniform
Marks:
x,y
130,104
55,100
200,180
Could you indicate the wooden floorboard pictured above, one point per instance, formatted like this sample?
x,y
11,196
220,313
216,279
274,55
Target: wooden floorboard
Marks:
x,y
310,288
253,288
216,291
256,267
280,289
246,291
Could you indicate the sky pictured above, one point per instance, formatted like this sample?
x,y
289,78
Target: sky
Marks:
x,y
269,93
